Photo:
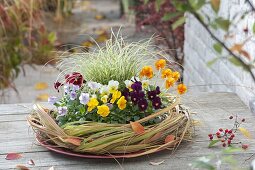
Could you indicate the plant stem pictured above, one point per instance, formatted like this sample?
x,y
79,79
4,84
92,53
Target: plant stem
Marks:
x,y
246,66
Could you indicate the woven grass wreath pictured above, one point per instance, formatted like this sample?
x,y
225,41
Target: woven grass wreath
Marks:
x,y
115,103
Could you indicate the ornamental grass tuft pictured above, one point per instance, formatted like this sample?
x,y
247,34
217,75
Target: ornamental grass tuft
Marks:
x,y
117,60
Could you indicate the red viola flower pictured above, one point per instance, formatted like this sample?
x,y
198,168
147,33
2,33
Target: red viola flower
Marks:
x,y
74,78
57,85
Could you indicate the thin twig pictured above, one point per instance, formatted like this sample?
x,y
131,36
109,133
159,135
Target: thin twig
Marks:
x,y
247,67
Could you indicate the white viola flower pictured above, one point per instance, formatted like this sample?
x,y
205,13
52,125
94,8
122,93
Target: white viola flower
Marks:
x,y
104,90
73,95
113,85
104,99
75,87
145,84
84,98
94,85
134,78
52,100
67,88
128,83
62,110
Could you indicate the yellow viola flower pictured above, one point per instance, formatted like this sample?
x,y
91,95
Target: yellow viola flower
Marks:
x,y
115,95
147,71
103,110
169,82
104,99
160,64
176,75
181,89
122,103
92,104
166,73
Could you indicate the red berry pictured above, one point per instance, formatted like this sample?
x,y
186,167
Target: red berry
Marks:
x,y
230,131
230,117
218,136
209,135
233,135
218,133
244,146
229,142
230,138
221,130
222,140
211,138
226,131
243,120
224,144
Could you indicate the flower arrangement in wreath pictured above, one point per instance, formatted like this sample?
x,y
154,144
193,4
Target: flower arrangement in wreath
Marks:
x,y
114,104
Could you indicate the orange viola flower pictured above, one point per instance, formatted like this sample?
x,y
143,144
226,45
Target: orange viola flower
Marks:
x,y
166,73
176,75
160,64
181,89
147,71
169,82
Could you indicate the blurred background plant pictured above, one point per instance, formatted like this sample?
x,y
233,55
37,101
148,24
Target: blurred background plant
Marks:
x,y
23,38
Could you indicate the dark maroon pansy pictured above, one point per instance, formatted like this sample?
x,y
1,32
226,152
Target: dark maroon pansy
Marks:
x,y
157,90
142,104
151,94
74,78
134,97
57,85
125,93
156,103
137,86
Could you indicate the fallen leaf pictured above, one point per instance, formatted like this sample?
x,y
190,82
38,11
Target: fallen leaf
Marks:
x,y
74,141
215,5
13,156
99,17
102,38
22,167
87,44
157,163
246,54
41,86
169,138
245,132
137,128
237,47
51,168
42,97
31,162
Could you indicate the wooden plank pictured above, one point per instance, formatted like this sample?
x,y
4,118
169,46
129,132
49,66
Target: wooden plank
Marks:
x,y
213,110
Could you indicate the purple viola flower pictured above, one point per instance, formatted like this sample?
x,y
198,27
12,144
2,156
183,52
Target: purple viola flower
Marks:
x,y
62,110
73,95
52,100
152,94
125,93
84,98
67,88
157,90
94,85
142,104
134,97
156,103
137,86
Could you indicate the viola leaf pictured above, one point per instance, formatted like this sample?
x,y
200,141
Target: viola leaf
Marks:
x,y
223,23
178,23
217,47
169,16
211,62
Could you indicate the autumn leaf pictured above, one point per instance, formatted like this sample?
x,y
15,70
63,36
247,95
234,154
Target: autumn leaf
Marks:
x,y
245,54
215,5
169,138
102,38
155,137
13,156
42,97
245,132
41,86
157,163
74,141
22,167
239,48
137,128
31,162
87,44
99,17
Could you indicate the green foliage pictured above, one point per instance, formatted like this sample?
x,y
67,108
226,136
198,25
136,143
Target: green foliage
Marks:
x,y
178,23
223,23
213,142
217,47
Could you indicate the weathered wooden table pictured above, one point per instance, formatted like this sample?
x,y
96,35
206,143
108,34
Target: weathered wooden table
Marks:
x,y
213,110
